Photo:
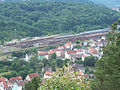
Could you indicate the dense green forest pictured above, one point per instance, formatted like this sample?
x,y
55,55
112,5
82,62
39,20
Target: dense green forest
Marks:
x,y
83,1
110,3
22,19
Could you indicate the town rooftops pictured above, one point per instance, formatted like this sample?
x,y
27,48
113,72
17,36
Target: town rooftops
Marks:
x,y
51,52
93,51
4,80
86,41
85,55
89,47
61,47
68,44
42,53
33,75
16,78
71,52
79,50
47,73
21,83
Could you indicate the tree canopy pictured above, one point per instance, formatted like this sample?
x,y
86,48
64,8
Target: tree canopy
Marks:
x,y
108,67
28,19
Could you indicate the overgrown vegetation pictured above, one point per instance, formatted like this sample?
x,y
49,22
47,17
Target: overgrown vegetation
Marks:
x,y
20,67
63,79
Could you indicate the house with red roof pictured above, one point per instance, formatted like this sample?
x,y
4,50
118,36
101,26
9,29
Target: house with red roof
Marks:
x,y
47,75
69,45
92,44
51,52
15,83
94,52
86,42
61,47
79,51
84,56
19,78
3,83
42,55
57,51
89,48
31,76
69,53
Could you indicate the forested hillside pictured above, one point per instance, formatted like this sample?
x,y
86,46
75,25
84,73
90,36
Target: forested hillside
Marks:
x,y
45,18
84,1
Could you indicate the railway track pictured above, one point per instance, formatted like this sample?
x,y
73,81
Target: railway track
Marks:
x,y
46,42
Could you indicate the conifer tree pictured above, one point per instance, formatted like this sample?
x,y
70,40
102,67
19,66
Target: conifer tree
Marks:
x,y
108,67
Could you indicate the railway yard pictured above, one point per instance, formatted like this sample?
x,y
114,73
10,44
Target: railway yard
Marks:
x,y
42,42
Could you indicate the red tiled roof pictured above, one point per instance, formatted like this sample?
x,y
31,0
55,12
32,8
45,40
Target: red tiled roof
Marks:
x,y
71,52
3,79
51,52
61,47
21,83
47,73
8,83
22,41
93,51
89,47
33,75
86,40
42,53
85,55
79,50
16,78
12,81
69,43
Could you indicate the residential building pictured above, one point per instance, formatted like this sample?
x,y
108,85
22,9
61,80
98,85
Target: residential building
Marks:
x,y
3,83
69,45
68,53
31,76
42,55
47,75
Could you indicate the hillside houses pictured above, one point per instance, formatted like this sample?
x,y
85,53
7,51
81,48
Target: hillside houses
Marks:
x,y
69,51
15,83
31,76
